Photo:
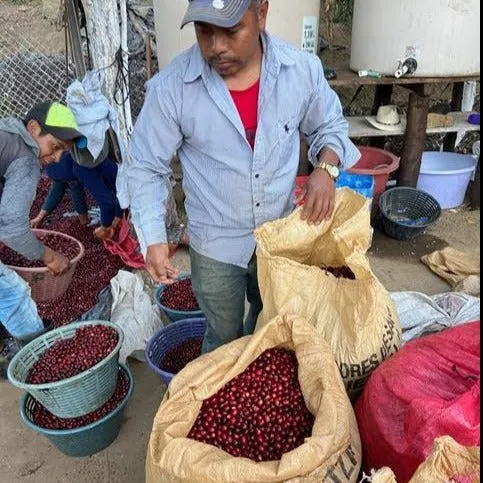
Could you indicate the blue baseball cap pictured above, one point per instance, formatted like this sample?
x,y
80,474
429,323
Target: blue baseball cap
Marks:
x,y
222,13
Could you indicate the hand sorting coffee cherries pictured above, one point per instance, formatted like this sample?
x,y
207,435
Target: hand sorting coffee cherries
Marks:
x,y
84,289
69,357
180,296
181,355
64,246
261,414
45,419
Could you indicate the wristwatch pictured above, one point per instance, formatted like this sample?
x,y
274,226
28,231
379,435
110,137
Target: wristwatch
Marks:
x,y
332,170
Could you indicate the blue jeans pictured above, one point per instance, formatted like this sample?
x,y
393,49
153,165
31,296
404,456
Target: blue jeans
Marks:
x,y
57,193
18,312
220,289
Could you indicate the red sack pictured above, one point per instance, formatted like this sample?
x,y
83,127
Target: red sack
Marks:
x,y
431,388
125,246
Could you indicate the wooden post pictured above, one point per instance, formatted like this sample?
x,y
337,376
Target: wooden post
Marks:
x,y
382,97
414,140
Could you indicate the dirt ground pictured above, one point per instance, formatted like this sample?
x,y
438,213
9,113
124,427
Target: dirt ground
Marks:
x,y
32,21
26,457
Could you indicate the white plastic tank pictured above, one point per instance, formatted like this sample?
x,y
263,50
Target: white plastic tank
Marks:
x,y
442,35
296,22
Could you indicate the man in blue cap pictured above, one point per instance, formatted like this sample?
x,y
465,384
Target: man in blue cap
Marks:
x,y
233,107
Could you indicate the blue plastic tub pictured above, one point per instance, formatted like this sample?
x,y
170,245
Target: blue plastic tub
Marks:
x,y
169,337
175,315
84,441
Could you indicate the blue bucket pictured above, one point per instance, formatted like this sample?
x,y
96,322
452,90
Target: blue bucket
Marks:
x,y
85,441
175,315
169,337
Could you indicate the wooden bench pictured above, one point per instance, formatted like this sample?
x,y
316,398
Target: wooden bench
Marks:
x,y
359,127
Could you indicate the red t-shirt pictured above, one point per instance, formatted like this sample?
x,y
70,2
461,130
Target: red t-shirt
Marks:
x,y
247,104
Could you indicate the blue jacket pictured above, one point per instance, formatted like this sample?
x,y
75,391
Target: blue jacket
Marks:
x,y
99,181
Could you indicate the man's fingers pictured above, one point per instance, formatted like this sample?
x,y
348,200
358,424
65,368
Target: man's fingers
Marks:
x,y
308,206
316,212
325,205
161,277
331,208
172,272
166,276
301,196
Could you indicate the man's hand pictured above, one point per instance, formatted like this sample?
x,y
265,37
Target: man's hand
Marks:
x,y
318,195
159,266
55,262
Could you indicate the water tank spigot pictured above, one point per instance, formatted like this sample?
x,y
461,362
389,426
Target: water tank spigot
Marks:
x,y
407,66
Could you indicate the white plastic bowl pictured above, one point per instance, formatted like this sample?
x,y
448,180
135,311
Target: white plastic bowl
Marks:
x,y
446,176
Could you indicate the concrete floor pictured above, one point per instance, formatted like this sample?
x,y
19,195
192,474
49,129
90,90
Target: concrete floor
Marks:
x,y
26,457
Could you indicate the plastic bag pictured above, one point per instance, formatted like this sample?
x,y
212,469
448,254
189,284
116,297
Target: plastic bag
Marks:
x,y
134,313
356,317
102,309
431,388
332,454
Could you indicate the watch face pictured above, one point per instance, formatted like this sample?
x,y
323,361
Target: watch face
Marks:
x,y
334,171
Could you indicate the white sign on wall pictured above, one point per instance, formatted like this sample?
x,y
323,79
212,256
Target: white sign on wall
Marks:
x,y
309,35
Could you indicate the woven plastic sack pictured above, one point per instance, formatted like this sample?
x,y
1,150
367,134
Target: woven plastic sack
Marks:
x,y
421,315
357,318
449,463
430,389
332,454
385,475
133,311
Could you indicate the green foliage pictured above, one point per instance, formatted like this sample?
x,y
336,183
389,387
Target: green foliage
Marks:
x,y
343,11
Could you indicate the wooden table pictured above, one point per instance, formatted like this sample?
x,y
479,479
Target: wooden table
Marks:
x,y
416,128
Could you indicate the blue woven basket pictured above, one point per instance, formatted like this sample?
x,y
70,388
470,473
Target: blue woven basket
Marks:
x,y
175,315
169,337
75,396
407,212
84,441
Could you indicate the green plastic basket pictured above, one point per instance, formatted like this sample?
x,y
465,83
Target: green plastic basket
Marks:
x,y
85,441
78,395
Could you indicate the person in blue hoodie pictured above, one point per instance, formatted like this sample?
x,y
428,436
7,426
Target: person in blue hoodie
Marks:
x,y
63,179
100,181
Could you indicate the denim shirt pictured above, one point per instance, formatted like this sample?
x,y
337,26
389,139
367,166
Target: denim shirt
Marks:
x,y
230,188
